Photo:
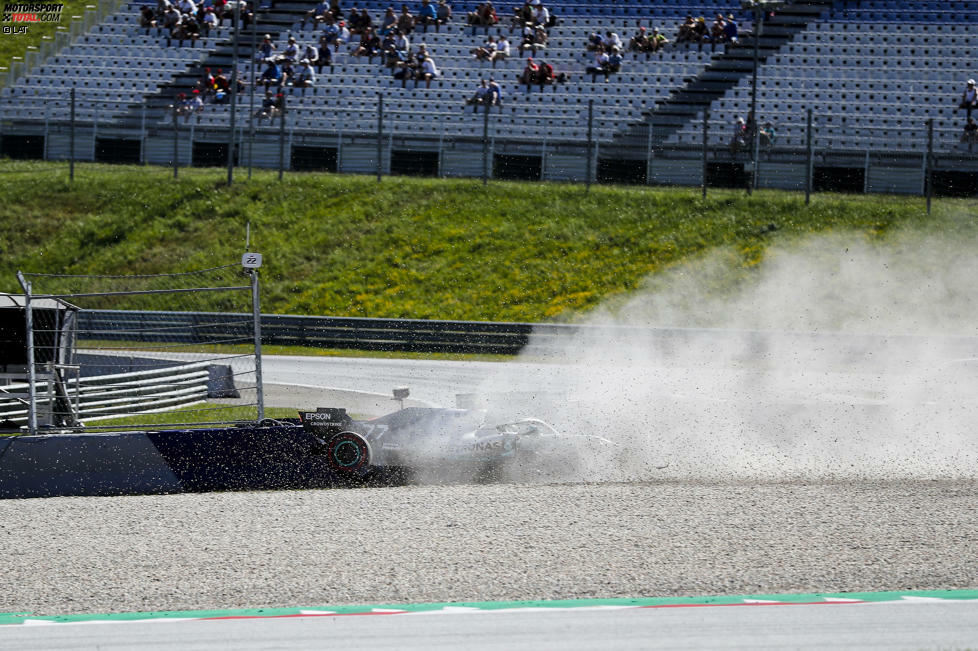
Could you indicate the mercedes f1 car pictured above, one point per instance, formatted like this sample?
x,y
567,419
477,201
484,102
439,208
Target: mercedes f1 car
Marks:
x,y
448,442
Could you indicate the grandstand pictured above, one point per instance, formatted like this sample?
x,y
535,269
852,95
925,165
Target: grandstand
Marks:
x,y
872,71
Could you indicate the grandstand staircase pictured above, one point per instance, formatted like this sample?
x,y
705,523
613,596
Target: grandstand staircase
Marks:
x,y
686,103
274,21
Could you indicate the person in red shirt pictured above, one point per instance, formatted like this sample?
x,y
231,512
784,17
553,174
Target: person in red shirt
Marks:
x,y
530,73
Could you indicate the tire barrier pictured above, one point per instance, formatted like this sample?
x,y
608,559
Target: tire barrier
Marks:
x,y
173,461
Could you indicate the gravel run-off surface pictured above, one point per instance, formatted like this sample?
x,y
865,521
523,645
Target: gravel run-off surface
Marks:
x,y
483,542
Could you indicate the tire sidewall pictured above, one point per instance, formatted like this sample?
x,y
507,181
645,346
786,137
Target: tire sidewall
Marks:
x,y
341,443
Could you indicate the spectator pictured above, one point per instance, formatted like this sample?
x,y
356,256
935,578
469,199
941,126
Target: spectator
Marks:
x,y
427,15
186,106
640,42
730,32
479,97
541,17
310,52
502,51
342,35
370,45
611,40
291,51
606,64
701,33
353,20
547,76
405,22
288,73
483,16
366,22
187,30
658,40
272,76
767,135
266,49
969,136
304,76
739,139
444,14
325,58
330,29
171,19
428,71
271,106
686,32
209,21
594,42
529,75
495,97
717,34
389,22
969,98
485,51
147,18
533,38
521,16
406,69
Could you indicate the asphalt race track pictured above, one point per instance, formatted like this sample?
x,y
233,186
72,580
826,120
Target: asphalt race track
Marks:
x,y
903,625
462,543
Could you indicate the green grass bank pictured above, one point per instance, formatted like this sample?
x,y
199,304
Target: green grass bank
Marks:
x,y
413,248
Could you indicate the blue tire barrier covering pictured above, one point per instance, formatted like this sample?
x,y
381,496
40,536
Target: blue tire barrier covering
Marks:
x,y
83,464
243,458
171,461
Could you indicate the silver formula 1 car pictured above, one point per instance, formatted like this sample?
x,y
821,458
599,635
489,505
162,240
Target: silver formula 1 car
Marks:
x,y
449,443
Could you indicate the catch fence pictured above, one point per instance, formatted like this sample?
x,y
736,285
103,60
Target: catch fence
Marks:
x,y
78,376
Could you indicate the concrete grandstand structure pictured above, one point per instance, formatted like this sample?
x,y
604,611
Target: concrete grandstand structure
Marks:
x,y
872,71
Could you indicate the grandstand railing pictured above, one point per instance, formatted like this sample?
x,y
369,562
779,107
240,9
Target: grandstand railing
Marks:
x,y
887,154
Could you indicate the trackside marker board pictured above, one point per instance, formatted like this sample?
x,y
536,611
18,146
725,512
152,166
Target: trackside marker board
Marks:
x,y
748,601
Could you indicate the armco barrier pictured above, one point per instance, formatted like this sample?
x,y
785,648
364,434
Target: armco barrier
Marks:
x,y
123,393
419,335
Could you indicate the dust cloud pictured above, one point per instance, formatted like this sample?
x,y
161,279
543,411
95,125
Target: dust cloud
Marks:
x,y
834,358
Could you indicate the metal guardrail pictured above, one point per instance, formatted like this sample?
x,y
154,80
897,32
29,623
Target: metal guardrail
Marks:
x,y
313,331
429,336
118,394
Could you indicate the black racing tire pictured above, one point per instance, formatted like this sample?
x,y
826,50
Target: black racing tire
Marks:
x,y
347,454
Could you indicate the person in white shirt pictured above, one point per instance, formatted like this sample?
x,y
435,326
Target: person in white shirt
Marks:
x,y
542,16
304,76
428,71
969,98
343,34
502,51
210,20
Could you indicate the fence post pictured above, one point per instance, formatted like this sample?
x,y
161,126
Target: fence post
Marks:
x,y
142,135
648,157
256,316
176,141
71,138
810,159
929,177
485,144
590,143
380,136
706,136
235,55
31,371
251,95
281,137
